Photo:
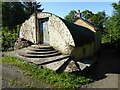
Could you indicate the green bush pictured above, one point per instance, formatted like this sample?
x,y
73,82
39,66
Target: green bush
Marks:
x,y
9,36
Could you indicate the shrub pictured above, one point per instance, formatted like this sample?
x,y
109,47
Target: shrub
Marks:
x,y
9,37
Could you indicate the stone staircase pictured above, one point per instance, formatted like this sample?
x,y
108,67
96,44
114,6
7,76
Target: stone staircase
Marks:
x,y
41,51
48,57
45,56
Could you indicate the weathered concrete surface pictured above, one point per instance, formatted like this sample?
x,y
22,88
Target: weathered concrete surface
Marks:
x,y
111,81
55,61
106,70
85,24
52,62
14,77
59,35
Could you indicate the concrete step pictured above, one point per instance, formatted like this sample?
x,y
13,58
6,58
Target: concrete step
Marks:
x,y
44,52
53,63
39,55
50,58
57,62
40,60
41,46
40,49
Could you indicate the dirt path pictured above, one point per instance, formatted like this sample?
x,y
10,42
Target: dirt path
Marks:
x,y
14,77
106,70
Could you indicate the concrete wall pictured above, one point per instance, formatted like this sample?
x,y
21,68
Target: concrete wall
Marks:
x,y
59,35
98,36
84,51
83,23
27,30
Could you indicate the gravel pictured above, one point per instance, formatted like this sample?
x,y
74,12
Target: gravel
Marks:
x,y
14,77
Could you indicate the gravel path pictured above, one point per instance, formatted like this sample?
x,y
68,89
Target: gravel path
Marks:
x,y
14,77
106,70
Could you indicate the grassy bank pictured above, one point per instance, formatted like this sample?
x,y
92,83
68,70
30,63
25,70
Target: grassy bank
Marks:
x,y
60,80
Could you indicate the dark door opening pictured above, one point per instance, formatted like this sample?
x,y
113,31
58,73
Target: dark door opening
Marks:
x,y
44,33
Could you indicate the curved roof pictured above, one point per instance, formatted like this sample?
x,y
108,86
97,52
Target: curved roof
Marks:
x,y
81,35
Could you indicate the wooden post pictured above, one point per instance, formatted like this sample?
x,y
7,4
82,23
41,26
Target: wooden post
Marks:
x,y
36,22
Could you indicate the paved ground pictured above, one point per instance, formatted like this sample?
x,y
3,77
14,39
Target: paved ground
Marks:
x,y
14,77
106,70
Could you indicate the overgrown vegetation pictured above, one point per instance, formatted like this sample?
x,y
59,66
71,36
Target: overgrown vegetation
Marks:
x,y
9,37
13,15
59,80
112,27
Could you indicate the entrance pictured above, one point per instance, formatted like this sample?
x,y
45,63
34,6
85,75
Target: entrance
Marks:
x,y
44,34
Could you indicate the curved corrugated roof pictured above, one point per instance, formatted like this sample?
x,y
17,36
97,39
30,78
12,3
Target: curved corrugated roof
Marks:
x,y
80,34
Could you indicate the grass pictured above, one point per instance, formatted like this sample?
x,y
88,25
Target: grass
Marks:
x,y
11,82
60,80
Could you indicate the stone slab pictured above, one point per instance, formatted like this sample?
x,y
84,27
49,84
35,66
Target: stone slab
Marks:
x,y
53,63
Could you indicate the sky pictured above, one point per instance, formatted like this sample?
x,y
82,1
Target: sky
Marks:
x,y
63,8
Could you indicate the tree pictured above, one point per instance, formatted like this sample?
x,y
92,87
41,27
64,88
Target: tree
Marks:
x,y
15,13
99,19
113,25
12,14
87,14
71,16
29,8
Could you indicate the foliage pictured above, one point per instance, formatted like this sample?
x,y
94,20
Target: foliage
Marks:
x,y
29,8
9,38
112,26
97,19
116,7
87,14
15,13
70,17
61,80
12,14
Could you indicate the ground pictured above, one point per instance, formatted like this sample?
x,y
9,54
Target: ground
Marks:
x,y
105,71
14,77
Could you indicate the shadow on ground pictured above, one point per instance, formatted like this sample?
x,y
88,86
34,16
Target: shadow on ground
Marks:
x,y
108,62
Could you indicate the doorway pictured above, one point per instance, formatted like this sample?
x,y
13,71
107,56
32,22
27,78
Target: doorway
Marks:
x,y
44,33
